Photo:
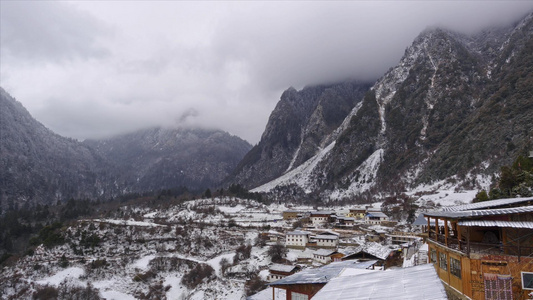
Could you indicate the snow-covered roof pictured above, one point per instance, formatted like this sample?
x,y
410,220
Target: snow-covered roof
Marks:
x,y
480,213
322,212
358,208
487,204
282,268
326,237
323,274
298,232
329,232
377,214
273,232
374,249
420,282
292,211
506,224
421,220
324,252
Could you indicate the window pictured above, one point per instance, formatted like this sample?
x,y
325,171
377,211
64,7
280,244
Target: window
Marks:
x,y
443,261
498,287
433,256
455,267
298,296
527,280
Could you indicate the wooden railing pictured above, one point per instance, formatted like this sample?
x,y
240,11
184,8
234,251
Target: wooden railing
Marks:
x,y
482,248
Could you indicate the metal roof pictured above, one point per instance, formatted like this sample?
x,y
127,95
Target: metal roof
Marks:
x,y
506,224
480,213
420,282
374,249
420,220
323,274
487,204
377,214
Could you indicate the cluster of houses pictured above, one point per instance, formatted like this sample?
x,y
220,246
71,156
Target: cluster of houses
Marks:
x,y
300,239
352,279
356,215
474,251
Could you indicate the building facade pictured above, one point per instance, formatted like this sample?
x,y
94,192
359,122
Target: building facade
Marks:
x,y
297,239
482,254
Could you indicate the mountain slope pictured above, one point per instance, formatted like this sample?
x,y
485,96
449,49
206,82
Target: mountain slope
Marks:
x,y
455,106
39,166
159,158
301,124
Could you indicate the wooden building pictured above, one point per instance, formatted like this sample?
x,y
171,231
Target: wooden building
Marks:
x,y
291,214
481,254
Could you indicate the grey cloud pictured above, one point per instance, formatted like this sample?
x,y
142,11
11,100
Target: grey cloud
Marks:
x,y
214,64
41,31
314,42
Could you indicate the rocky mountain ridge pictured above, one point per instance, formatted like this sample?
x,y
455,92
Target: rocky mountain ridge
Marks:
x,y
164,158
455,108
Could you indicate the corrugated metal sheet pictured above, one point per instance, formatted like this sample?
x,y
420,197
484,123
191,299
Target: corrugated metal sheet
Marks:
x,y
480,213
323,274
506,224
487,204
420,282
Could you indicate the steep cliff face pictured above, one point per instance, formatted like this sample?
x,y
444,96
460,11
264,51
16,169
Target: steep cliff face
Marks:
x,y
38,166
297,129
455,106
160,158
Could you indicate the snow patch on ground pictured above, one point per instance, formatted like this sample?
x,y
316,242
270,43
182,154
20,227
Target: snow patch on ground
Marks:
x,y
299,176
70,273
368,172
115,295
143,262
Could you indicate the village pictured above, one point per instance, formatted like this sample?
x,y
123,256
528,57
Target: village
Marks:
x,y
472,251
231,248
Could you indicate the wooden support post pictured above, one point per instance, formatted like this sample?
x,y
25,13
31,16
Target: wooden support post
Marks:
x,y
446,232
437,229
459,236
429,228
468,241
504,241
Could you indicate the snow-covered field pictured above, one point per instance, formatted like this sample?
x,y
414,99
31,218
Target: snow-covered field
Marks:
x,y
147,253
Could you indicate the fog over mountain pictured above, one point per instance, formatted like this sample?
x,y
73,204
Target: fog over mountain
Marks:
x,y
96,69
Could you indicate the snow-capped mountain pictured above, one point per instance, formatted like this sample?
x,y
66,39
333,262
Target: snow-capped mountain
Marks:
x,y
302,123
161,158
39,166
454,107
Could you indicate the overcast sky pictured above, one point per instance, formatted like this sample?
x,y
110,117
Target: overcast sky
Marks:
x,y
91,69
